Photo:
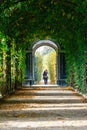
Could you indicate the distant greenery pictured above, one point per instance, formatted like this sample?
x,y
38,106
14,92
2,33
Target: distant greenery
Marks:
x,y
52,66
38,67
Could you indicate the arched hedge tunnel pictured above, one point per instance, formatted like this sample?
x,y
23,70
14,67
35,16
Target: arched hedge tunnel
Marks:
x,y
24,21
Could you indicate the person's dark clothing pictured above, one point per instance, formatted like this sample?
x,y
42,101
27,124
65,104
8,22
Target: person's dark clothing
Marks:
x,y
45,77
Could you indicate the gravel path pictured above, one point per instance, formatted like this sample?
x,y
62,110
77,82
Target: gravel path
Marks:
x,y
43,108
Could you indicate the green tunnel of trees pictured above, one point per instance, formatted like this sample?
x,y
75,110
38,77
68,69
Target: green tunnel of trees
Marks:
x,y
25,21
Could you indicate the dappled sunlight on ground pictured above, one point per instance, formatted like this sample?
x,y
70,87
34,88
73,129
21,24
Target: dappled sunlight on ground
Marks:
x,y
45,124
44,108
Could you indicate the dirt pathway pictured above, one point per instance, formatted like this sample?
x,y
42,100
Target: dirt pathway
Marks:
x,y
43,108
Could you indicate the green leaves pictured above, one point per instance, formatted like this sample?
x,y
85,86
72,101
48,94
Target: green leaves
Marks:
x,y
62,21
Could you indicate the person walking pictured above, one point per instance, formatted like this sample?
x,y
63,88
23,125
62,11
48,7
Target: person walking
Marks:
x,y
45,76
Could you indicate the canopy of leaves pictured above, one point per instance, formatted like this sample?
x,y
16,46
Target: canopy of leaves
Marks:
x,y
37,19
64,21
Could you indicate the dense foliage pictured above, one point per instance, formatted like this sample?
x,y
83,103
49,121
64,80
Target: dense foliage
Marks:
x,y
23,21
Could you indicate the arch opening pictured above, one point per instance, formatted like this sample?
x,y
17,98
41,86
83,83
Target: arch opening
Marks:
x,y
45,58
53,48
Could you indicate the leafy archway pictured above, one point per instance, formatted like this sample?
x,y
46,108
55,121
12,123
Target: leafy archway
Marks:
x,y
23,21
